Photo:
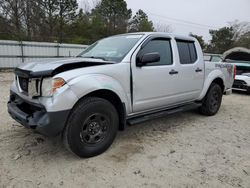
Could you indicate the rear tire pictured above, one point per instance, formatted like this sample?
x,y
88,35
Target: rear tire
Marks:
x,y
212,101
91,127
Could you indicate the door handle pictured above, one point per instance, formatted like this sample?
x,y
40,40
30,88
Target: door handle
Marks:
x,y
198,70
172,72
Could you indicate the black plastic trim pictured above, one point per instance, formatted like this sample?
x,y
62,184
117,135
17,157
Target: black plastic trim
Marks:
x,y
161,113
36,117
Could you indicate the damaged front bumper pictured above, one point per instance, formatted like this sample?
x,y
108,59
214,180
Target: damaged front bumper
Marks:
x,y
35,116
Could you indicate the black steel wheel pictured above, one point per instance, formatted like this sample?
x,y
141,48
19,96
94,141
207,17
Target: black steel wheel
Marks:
x,y
91,128
95,128
212,101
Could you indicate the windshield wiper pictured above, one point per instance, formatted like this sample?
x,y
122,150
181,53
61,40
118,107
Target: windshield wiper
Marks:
x,y
95,57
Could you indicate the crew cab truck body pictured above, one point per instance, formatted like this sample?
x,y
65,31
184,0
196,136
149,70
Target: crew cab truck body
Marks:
x,y
124,79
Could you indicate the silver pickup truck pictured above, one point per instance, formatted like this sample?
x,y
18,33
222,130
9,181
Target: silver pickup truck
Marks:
x,y
117,81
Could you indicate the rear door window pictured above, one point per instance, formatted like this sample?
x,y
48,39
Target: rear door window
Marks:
x,y
187,52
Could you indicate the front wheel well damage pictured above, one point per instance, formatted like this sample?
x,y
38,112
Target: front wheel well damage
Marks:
x,y
115,100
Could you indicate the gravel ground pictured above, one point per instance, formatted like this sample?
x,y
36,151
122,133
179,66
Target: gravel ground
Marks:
x,y
184,150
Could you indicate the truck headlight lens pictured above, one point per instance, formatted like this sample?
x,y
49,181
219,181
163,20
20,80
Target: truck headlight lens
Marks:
x,y
50,85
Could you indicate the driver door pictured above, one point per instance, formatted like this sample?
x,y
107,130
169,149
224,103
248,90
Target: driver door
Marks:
x,y
154,84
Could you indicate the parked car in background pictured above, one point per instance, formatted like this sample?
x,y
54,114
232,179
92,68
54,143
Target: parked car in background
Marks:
x,y
119,80
240,57
212,57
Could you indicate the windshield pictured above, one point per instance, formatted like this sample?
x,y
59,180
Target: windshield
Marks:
x,y
112,48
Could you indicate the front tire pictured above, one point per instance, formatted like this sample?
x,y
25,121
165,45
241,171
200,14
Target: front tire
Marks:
x,y
91,127
212,101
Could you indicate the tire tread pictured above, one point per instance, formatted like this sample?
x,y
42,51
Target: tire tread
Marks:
x,y
82,105
204,109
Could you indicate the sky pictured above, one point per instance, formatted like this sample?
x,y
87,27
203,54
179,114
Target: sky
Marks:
x,y
196,16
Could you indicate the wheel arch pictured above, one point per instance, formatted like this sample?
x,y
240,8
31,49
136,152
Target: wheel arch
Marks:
x,y
114,99
220,82
215,77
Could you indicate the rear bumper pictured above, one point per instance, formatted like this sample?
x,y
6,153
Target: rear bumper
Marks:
x,y
35,116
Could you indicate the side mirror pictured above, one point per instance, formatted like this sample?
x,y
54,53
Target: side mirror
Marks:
x,y
148,58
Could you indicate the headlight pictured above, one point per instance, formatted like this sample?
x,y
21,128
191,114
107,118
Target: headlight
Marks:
x,y
50,85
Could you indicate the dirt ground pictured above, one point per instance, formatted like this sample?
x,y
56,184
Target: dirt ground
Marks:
x,y
184,150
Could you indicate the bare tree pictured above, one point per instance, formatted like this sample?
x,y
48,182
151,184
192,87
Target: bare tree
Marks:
x,y
50,17
162,27
66,14
85,6
240,28
27,14
13,11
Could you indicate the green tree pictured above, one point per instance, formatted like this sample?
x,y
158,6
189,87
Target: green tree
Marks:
x,y
222,40
5,29
49,19
201,40
114,15
66,14
140,23
80,30
98,28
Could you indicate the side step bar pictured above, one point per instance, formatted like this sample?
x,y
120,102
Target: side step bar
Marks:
x,y
149,116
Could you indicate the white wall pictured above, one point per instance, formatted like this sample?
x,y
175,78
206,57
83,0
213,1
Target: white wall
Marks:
x,y
13,53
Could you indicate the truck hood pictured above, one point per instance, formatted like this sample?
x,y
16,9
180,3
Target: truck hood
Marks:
x,y
51,67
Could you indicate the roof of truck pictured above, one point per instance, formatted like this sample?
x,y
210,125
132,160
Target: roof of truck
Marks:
x,y
177,36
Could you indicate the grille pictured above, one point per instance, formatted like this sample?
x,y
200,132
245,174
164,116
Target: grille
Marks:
x,y
24,83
